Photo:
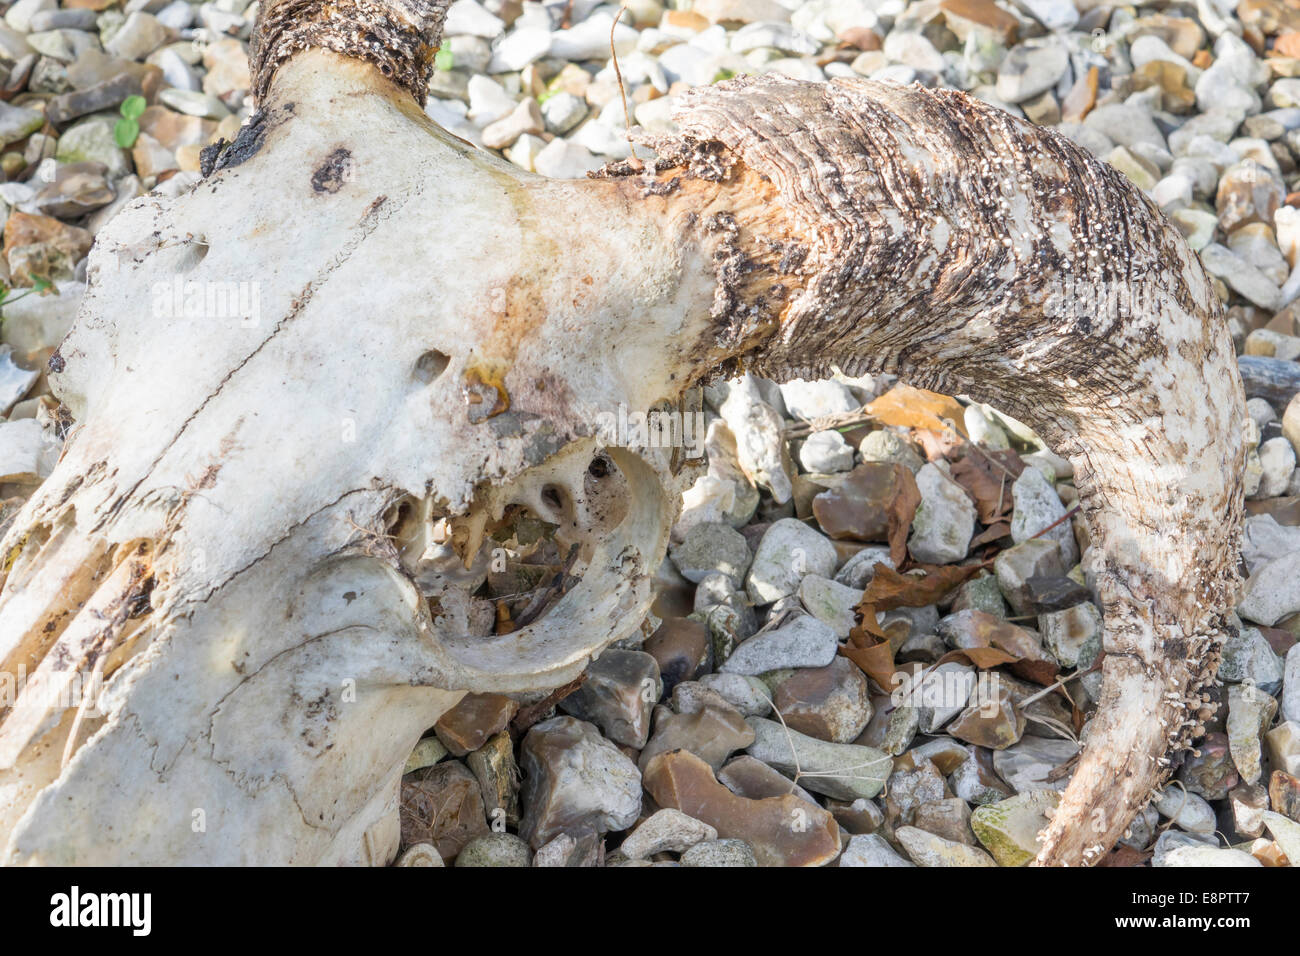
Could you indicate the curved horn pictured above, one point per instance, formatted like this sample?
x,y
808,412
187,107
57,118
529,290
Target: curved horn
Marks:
x,y
791,228
879,228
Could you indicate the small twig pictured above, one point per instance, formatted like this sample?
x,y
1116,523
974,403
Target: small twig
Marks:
x,y
1065,517
1060,683
634,161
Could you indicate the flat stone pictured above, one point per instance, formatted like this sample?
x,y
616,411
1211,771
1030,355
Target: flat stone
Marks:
x,y
885,445
781,831
871,850
1286,832
721,853
66,107
1026,764
1250,712
1283,744
801,642
910,787
876,502
666,831
858,570
1037,506
681,647
1247,193
1248,657
569,851
970,628
565,159
830,602
426,753
194,103
1240,276
621,689
830,703
18,122
749,695
469,724
994,723
1273,591
1015,566
1046,593
495,849
1188,811
938,694
945,519
712,548
752,779
927,849
442,806
1248,802
976,782
1206,856
712,734
42,245
756,432
948,818
575,782
90,140
788,551
1067,632
843,771
1009,828
526,118
826,451
857,816
138,36
1031,68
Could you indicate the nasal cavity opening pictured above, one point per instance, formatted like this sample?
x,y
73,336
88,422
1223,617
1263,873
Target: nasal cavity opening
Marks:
x,y
431,365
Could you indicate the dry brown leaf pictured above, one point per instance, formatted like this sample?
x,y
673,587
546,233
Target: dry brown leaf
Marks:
x,y
874,660
889,589
987,478
917,408
901,512
1042,673
985,658
991,534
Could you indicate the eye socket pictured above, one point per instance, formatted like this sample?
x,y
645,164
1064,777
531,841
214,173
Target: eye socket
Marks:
x,y
431,365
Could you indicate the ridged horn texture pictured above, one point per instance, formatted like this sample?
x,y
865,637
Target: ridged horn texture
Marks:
x,y
397,37
881,228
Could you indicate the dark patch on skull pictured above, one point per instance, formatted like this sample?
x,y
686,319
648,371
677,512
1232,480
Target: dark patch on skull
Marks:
x,y
331,175
224,155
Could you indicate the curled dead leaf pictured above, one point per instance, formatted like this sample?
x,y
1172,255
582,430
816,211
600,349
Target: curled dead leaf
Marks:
x,y
917,408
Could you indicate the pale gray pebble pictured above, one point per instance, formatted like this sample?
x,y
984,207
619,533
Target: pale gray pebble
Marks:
x,y
749,695
719,853
802,642
871,849
495,849
666,831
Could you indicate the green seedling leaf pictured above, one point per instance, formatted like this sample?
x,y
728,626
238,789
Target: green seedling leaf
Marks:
x,y
443,59
133,107
125,132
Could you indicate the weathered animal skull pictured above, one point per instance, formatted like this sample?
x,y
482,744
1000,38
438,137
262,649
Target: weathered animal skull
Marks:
x,y
261,531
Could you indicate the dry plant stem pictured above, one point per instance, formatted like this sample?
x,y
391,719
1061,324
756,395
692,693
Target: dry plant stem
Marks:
x,y
282,663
